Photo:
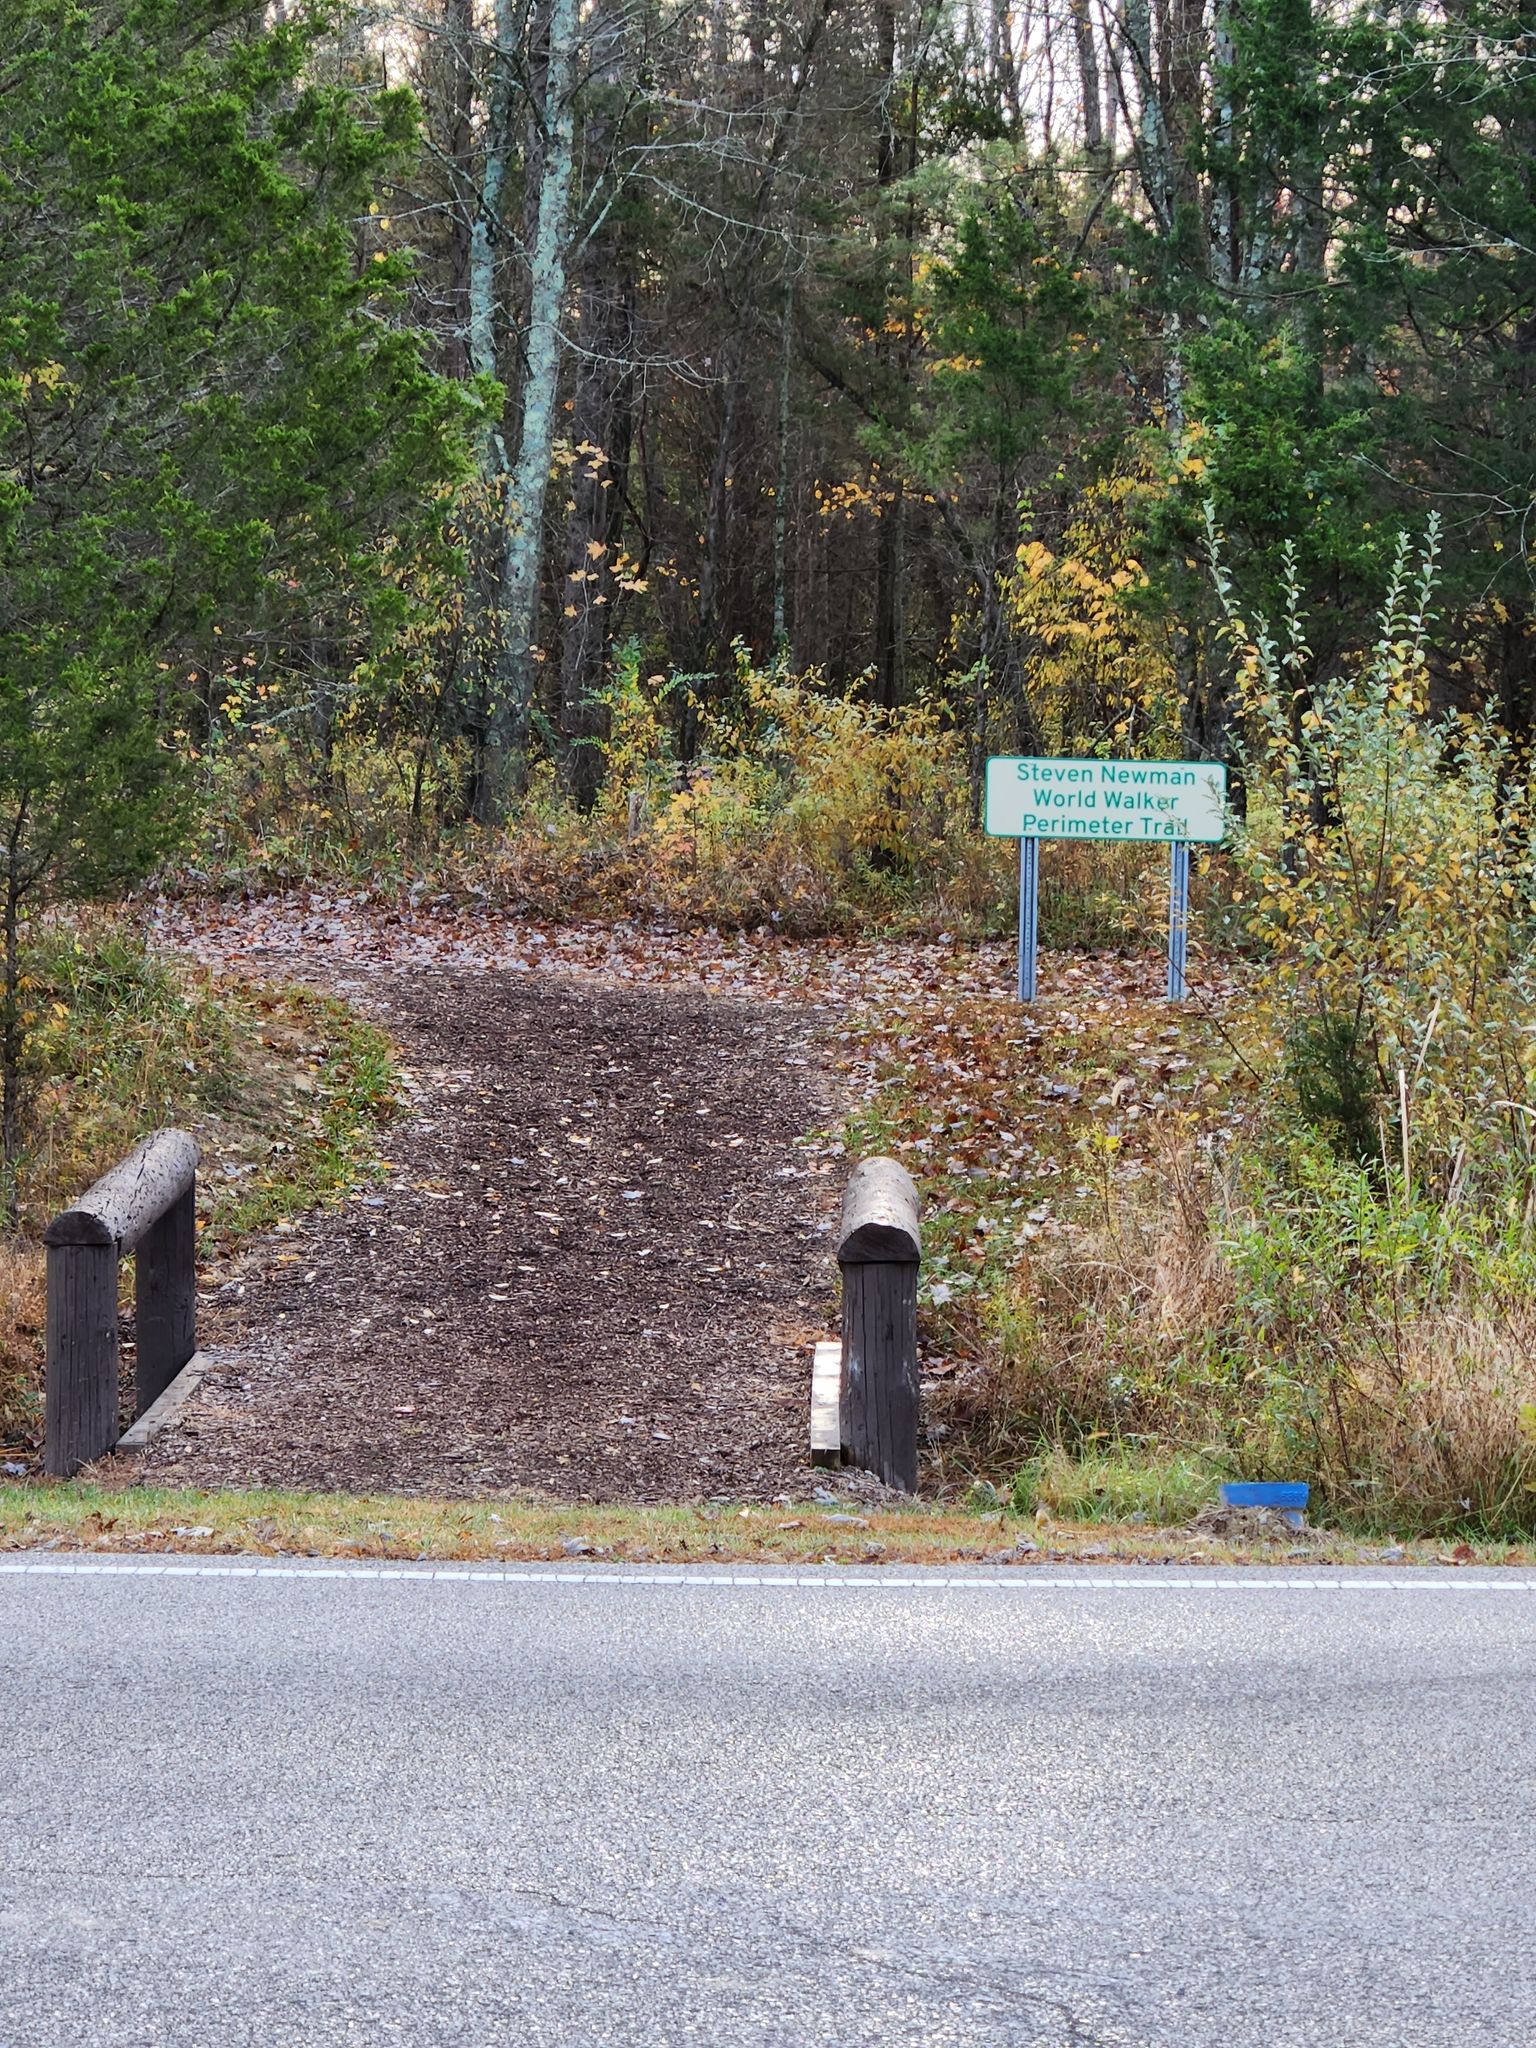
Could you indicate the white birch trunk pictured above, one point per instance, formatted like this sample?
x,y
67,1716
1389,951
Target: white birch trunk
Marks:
x,y
506,737
1224,224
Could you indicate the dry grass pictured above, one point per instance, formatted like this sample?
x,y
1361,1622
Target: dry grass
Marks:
x,y
1181,1325
1092,1334
1445,1409
21,1341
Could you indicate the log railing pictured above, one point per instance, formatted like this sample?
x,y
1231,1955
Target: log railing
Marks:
x,y
144,1206
879,1249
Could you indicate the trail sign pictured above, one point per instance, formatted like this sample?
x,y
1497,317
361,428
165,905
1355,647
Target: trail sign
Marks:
x,y
1030,799
1036,799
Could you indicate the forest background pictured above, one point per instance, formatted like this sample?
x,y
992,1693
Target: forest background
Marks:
x,y
609,456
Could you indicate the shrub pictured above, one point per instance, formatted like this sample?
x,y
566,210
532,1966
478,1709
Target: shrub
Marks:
x,y
121,1039
1389,888
799,807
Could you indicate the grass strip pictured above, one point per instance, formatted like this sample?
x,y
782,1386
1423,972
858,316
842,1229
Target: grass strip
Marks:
x,y
111,1514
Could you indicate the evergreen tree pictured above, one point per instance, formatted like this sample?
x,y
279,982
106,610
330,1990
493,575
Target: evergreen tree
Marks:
x,y
211,408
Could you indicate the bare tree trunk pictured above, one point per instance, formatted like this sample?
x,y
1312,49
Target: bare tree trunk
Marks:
x,y
1311,244
1151,127
1007,61
1158,182
712,569
1225,263
483,209
1088,78
507,729
889,606
602,423
459,73
781,476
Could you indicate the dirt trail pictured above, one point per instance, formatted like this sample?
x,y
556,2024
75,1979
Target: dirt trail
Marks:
x,y
594,1271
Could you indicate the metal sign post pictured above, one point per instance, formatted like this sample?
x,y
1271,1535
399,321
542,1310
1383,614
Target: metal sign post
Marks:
x,y
1029,916
1177,802
1178,919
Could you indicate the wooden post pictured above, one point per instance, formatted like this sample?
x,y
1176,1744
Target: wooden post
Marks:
x,y
879,1249
81,1355
145,1203
165,1297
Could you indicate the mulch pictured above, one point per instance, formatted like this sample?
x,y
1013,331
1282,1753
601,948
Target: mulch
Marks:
x,y
594,1271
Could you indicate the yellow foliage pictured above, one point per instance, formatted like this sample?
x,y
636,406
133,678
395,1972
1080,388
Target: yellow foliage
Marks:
x,y
1102,669
801,807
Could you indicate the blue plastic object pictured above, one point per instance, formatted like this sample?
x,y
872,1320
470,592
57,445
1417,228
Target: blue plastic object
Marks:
x,y
1266,1493
1286,1496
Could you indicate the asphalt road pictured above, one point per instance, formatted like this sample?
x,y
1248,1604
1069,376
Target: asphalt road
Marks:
x,y
1163,1810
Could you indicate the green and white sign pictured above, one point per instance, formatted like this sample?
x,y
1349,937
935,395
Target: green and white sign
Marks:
x,y
1035,799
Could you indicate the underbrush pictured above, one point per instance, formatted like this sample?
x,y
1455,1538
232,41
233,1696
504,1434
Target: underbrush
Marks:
x,y
283,1089
1312,1329
121,1040
797,808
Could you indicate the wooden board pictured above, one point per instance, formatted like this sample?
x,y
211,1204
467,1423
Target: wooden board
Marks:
x,y
826,1403
169,1405
880,1346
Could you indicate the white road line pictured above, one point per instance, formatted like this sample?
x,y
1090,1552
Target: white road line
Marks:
x,y
1261,1579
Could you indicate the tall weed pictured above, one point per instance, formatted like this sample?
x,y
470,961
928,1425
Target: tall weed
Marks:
x,y
1338,1287
1390,887
1290,1323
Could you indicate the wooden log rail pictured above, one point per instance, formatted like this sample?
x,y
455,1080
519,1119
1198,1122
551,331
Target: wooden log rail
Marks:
x,y
879,1250
144,1206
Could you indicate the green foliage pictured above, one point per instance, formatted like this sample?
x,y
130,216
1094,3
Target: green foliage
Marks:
x,y
1385,1347
1010,322
1282,459
1117,1483
1335,1086
1389,883
1436,258
208,411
